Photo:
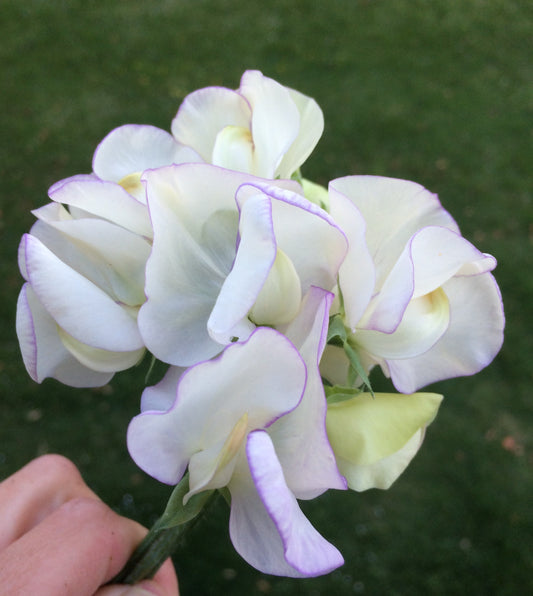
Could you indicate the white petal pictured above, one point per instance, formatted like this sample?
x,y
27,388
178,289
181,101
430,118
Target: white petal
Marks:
x,y
255,256
393,211
111,257
267,527
162,395
263,378
300,437
473,338
204,113
310,131
106,200
275,121
134,148
82,309
42,350
356,273
308,235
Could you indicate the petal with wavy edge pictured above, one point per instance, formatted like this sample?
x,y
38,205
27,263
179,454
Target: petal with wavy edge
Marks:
x,y
472,340
255,256
423,324
133,148
316,245
300,437
275,121
204,113
365,429
393,210
356,273
310,131
106,200
267,527
81,308
43,352
162,395
264,378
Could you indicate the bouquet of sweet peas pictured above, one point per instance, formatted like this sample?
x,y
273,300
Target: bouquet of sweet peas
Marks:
x,y
270,298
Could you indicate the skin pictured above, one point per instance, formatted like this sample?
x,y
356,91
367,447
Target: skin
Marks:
x,y
57,538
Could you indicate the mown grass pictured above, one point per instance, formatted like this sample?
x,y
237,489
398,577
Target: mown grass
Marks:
x,y
435,91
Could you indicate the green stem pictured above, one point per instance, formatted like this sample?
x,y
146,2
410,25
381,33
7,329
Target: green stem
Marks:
x,y
165,535
151,553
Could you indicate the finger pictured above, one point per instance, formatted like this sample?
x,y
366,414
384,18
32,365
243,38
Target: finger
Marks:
x,y
164,584
35,491
75,550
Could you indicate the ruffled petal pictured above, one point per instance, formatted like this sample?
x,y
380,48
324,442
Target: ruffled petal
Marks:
x,y
365,430
161,396
356,273
300,437
473,338
263,378
267,527
393,210
255,256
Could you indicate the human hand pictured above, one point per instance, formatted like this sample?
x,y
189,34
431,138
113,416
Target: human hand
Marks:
x,y
57,538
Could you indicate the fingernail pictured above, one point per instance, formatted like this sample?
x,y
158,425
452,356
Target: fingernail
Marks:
x,y
137,591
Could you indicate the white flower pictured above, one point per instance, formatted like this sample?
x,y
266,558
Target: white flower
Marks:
x,y
263,128
417,298
230,252
252,420
84,267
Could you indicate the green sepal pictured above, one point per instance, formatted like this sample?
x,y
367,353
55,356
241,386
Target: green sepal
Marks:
x,y
176,513
357,366
336,331
338,393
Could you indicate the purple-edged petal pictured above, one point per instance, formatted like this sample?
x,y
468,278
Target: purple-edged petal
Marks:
x,y
82,309
43,352
206,112
161,396
473,338
267,527
261,379
356,274
393,210
308,235
300,437
255,257
134,148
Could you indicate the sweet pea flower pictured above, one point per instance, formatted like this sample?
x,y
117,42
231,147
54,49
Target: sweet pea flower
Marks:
x,y
262,128
417,298
84,268
252,420
230,252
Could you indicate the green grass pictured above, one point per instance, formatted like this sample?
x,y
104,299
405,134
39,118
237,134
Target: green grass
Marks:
x,y
435,91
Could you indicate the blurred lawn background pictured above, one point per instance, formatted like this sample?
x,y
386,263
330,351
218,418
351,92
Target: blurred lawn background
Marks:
x,y
436,91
